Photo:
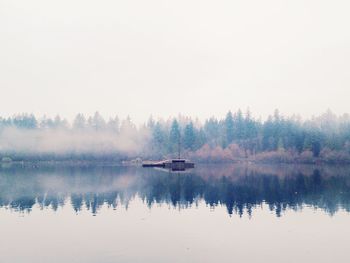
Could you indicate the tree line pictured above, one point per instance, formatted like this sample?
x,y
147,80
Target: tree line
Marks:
x,y
237,136
240,136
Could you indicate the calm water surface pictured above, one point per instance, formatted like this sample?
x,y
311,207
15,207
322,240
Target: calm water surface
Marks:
x,y
235,213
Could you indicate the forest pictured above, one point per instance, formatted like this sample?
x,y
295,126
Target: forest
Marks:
x,y
237,137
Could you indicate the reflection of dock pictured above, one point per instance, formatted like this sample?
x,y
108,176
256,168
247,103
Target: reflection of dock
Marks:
x,y
173,164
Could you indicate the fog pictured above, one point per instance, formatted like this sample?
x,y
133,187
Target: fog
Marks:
x,y
93,136
65,141
198,57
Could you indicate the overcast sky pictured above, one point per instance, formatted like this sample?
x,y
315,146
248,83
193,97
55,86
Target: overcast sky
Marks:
x,y
195,57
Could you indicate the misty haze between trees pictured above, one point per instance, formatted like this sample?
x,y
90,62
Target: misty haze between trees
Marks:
x,y
237,137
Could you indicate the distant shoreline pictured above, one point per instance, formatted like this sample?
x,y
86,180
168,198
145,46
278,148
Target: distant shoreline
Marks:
x,y
137,162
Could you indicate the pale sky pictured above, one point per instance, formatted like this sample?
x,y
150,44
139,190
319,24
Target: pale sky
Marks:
x,y
195,57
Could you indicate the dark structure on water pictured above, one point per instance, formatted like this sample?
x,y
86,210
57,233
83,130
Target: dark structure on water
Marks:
x,y
173,164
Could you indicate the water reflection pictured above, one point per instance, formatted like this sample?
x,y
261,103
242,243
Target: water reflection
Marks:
x,y
241,188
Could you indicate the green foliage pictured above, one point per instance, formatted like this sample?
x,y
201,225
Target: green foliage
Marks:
x,y
159,138
174,137
316,138
189,136
313,142
229,129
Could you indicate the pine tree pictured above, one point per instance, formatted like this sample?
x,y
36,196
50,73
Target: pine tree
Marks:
x,y
174,137
189,136
158,138
229,128
79,122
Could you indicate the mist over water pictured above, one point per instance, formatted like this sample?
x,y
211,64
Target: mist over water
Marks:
x,y
63,142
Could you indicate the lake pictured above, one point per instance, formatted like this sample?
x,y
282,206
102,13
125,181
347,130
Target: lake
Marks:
x,y
213,213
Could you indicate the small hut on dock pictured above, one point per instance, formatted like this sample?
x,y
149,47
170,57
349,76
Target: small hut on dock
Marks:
x,y
172,164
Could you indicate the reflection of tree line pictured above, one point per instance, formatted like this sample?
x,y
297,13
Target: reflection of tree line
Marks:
x,y
247,192
21,189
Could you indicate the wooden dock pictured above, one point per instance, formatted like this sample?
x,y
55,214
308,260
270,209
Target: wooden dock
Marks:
x,y
173,164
